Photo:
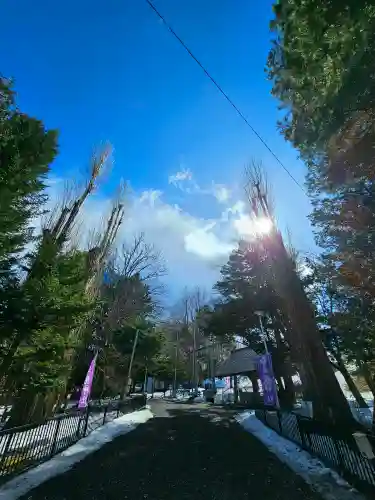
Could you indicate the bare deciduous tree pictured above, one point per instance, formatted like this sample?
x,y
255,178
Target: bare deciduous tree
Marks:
x,y
141,258
135,270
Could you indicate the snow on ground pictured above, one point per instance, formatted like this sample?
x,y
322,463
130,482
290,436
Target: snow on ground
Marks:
x,y
324,480
40,437
59,464
180,396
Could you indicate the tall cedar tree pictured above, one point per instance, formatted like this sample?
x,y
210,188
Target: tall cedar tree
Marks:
x,y
56,306
26,151
323,73
321,67
245,288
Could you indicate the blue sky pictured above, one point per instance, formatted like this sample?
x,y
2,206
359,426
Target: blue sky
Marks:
x,y
110,70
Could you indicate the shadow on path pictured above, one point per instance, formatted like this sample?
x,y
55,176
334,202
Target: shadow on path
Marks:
x,y
187,452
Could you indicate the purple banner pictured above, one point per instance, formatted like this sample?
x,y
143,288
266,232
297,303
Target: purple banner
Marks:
x,y
86,389
267,378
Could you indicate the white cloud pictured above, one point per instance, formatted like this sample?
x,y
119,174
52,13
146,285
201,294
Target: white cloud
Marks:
x,y
221,193
151,196
180,176
184,180
237,209
206,244
194,248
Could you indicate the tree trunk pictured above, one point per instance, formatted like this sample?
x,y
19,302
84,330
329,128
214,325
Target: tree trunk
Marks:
x,y
288,394
254,381
28,408
329,402
364,369
9,357
350,382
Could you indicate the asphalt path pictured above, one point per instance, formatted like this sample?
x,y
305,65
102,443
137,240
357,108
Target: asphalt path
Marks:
x,y
188,451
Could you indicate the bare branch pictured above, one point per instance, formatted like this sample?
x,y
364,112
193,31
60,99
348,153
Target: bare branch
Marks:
x,y
141,258
258,191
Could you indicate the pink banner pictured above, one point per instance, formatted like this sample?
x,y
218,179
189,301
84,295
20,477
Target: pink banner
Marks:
x,y
86,389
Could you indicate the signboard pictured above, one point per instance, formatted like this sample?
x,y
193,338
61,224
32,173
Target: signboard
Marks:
x,y
267,378
86,389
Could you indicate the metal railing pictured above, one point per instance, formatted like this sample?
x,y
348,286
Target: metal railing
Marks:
x,y
29,445
335,446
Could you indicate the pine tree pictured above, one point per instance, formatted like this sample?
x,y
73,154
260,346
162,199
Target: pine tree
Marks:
x,y
321,67
322,71
26,152
58,305
341,328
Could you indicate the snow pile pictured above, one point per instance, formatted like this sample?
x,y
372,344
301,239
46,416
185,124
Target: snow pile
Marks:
x,y
224,396
199,399
38,441
363,415
321,478
59,464
40,435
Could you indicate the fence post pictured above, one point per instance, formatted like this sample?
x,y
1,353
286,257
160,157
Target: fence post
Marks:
x,y
280,421
340,458
105,413
86,420
53,448
5,452
301,433
78,432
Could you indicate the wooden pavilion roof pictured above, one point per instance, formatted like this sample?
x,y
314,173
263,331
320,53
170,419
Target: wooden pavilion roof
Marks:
x,y
240,361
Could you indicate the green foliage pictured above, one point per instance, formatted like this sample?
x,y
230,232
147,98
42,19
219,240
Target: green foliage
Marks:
x,y
345,228
26,152
321,67
244,288
149,341
346,320
56,306
164,367
48,290
323,74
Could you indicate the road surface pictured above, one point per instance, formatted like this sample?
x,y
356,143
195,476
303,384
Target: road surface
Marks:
x,y
187,452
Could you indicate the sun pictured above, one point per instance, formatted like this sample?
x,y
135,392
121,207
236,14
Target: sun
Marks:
x,y
253,226
262,225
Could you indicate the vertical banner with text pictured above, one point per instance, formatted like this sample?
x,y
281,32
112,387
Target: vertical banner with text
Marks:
x,y
86,389
267,378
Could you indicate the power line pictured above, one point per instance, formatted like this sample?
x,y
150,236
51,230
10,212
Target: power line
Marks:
x,y
219,88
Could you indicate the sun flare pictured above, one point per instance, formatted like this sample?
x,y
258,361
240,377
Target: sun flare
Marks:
x,y
254,226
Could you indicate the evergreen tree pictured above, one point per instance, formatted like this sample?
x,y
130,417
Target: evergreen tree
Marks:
x,y
245,288
322,68
26,152
56,306
347,337
323,74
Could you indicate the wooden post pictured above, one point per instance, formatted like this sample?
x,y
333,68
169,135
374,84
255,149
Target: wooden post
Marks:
x,y
235,388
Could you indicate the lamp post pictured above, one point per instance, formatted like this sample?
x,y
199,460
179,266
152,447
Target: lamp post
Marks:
x,y
126,385
262,314
175,363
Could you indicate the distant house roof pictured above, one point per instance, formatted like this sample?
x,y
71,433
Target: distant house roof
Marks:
x,y
240,361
